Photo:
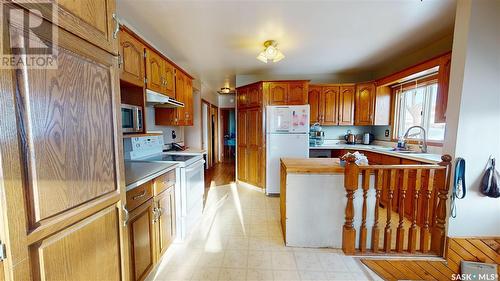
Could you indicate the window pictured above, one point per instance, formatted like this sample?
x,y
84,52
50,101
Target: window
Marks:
x,y
416,106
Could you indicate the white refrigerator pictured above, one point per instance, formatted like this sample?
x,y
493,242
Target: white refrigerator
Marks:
x,y
287,136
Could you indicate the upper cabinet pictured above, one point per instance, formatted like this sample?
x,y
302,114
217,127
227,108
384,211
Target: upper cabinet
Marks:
x,y
160,74
94,21
365,101
332,104
180,116
131,59
286,92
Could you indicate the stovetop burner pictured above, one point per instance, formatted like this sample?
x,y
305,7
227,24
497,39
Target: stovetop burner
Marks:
x,y
170,158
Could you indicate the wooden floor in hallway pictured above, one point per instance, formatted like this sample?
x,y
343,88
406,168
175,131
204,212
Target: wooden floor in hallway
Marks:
x,y
221,173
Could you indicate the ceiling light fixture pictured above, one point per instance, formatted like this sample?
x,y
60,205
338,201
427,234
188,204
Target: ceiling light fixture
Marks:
x,y
270,52
225,90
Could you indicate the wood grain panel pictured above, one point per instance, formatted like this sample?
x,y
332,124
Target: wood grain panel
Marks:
x,y
314,103
458,249
132,59
346,105
329,100
141,235
90,244
364,108
165,233
68,111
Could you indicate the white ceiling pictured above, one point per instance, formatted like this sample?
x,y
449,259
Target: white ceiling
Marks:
x,y
216,40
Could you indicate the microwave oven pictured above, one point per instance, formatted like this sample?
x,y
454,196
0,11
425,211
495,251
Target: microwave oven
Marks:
x,y
131,118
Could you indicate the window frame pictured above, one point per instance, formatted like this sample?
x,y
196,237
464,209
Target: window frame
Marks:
x,y
396,94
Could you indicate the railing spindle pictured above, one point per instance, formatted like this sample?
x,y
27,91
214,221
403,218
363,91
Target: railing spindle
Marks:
x,y
351,185
362,231
438,231
400,233
379,181
388,230
424,232
412,233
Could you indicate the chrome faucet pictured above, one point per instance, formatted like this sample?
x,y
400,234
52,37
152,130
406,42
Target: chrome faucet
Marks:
x,y
423,146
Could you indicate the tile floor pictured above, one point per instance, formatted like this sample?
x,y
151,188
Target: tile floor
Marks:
x,y
240,238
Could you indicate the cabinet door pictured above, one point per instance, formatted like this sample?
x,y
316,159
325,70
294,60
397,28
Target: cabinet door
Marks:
x,y
64,164
254,95
154,72
255,149
188,102
242,94
297,93
241,138
169,79
165,224
365,100
330,97
88,19
314,104
180,95
141,235
132,59
278,92
346,105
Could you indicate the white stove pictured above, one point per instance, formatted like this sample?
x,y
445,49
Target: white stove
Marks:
x,y
190,186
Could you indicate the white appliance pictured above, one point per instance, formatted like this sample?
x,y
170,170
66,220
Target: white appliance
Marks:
x,y
287,136
190,186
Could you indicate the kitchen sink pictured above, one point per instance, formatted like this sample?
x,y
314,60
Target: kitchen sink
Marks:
x,y
409,152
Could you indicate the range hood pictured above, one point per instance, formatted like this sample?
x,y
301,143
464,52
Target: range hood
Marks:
x,y
158,100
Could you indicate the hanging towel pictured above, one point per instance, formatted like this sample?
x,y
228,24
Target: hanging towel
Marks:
x,y
491,180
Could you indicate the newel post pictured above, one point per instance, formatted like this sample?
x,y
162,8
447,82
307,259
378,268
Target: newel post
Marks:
x,y
351,175
438,234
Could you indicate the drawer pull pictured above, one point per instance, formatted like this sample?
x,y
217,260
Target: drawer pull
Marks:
x,y
140,195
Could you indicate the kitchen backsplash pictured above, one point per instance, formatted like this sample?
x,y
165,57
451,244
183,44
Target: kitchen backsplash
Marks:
x,y
338,132
167,130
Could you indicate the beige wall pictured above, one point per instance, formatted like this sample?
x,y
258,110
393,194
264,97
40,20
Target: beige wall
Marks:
x,y
473,114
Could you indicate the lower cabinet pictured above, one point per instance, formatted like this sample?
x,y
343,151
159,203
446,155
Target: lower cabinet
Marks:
x,y
141,235
151,223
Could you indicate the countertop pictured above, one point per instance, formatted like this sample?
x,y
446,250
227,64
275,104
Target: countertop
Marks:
x,y
137,173
422,157
189,151
312,165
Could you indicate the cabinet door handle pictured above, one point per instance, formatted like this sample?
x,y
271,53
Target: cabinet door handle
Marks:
x,y
117,26
120,60
139,195
126,217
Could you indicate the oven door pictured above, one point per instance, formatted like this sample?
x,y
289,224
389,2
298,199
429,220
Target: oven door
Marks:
x,y
195,184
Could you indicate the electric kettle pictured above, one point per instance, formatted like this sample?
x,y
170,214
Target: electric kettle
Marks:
x,y
350,138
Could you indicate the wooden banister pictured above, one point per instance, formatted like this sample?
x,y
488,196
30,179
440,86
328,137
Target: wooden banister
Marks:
x,y
438,236
351,185
420,192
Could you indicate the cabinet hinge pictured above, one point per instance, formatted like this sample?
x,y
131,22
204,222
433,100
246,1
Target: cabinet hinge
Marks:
x,y
3,252
145,80
145,54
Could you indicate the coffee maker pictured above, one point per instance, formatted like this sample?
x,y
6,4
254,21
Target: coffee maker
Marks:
x,y
316,135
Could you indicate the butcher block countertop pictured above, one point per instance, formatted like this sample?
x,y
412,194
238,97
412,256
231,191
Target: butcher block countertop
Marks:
x,y
312,165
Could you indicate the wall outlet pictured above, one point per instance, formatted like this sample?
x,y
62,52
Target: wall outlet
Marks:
x,y
386,133
173,134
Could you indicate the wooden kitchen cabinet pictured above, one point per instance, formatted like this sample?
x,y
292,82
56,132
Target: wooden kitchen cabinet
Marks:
x,y
242,144
364,106
346,105
329,104
255,158
254,95
315,107
332,104
65,206
241,99
278,92
293,92
154,72
179,116
165,222
188,102
169,73
131,59
142,240
88,19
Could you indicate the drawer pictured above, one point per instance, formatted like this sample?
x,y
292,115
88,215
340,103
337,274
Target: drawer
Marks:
x,y
389,160
139,195
373,158
409,162
163,182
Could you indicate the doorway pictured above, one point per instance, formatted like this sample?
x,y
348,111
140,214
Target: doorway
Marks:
x,y
228,134
210,132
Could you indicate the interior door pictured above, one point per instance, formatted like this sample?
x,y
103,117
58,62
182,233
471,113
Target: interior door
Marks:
x,y
314,104
64,164
241,139
132,59
154,72
330,97
346,105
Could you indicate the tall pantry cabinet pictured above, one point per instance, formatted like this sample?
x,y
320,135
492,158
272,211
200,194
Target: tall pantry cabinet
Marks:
x,y
251,130
62,187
